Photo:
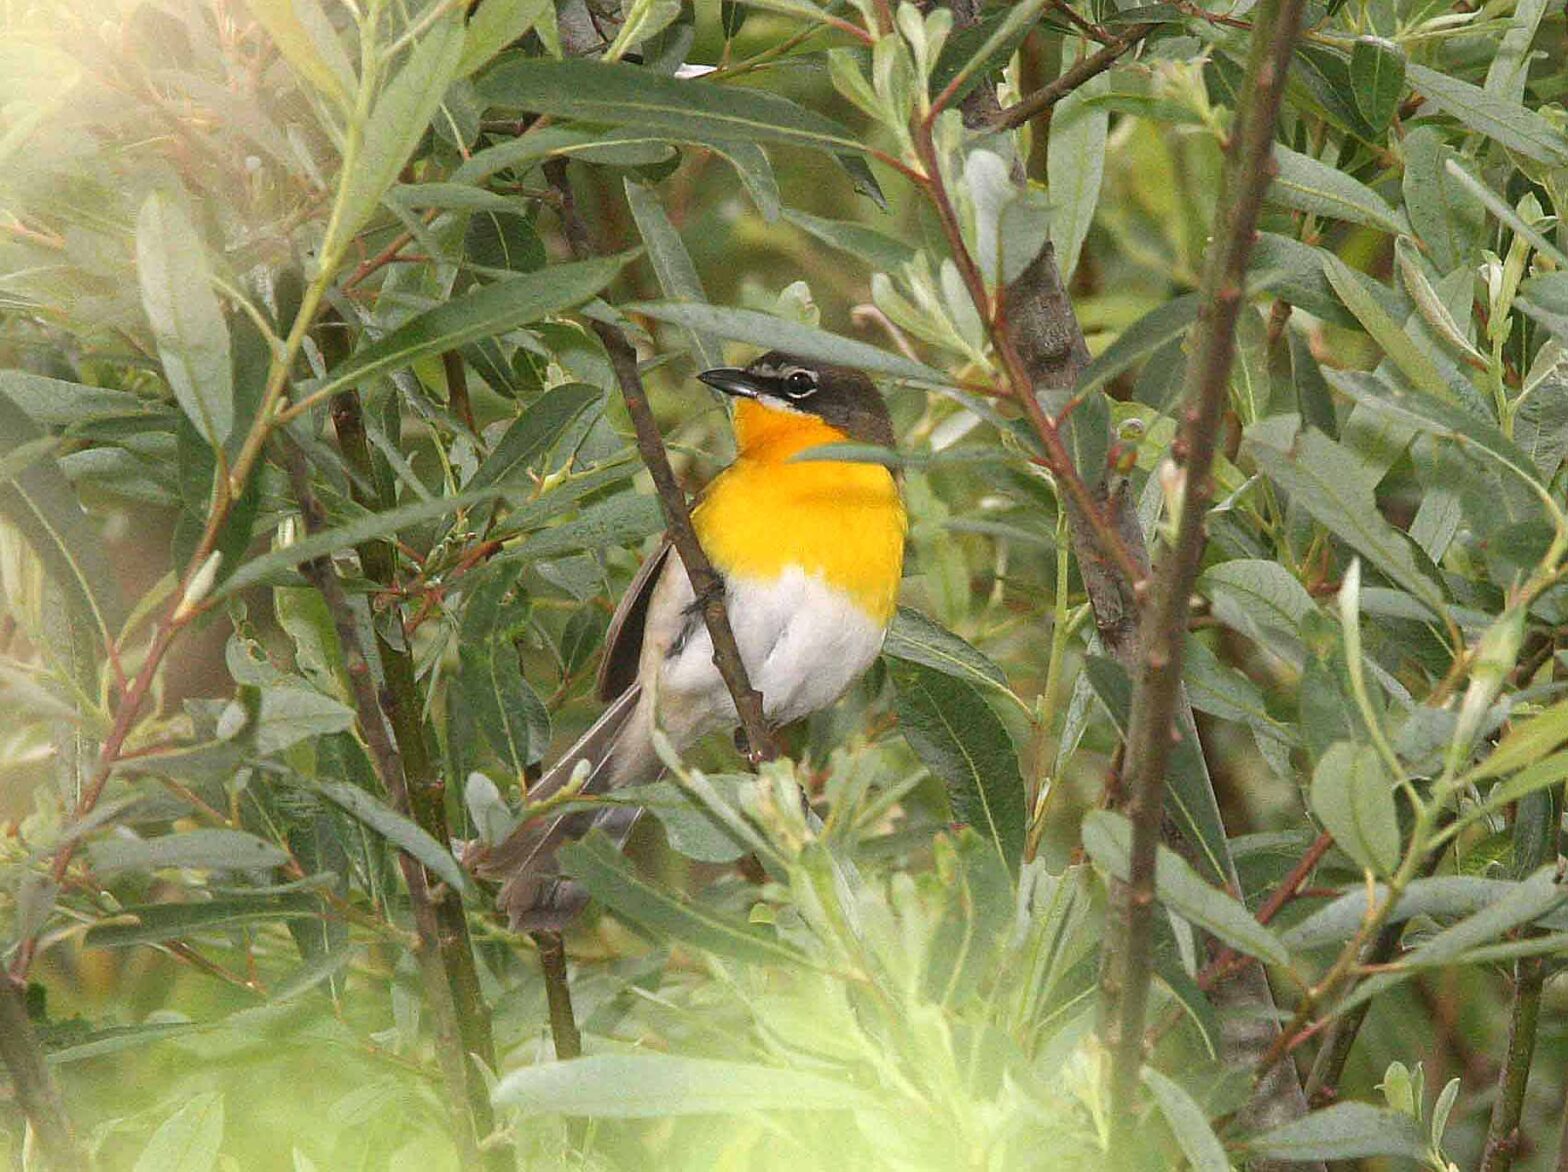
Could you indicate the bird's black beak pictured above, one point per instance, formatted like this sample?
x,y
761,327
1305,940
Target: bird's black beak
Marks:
x,y
732,380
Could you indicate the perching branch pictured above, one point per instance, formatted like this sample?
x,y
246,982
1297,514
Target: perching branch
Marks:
x,y
1022,111
35,1087
1502,1135
705,580
388,768
564,1033
1151,727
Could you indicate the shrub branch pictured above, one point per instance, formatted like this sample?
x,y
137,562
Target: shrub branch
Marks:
x,y
1248,172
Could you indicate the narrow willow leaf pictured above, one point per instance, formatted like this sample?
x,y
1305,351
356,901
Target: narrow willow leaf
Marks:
x,y
1327,481
654,1086
397,122
1107,837
690,826
41,504
486,311
1439,213
601,91
1500,208
154,923
1075,166
763,329
1507,122
920,639
1404,351
604,872
187,321
1188,1122
1505,77
305,37
1526,743
1166,323
883,253
622,520
366,528
1345,1131
53,402
1353,797
1377,75
1310,186
533,434
493,26
1440,897
953,731
188,1140
672,266
401,832
232,850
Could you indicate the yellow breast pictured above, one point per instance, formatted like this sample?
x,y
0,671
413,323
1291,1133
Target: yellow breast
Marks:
x,y
841,520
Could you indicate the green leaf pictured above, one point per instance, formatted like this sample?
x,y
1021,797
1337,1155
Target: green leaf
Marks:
x,y
53,402
1541,422
672,266
1377,76
1344,1131
211,849
487,310
883,253
397,122
1524,903
1188,1123
1509,123
533,433
1165,323
187,322
1353,797
357,532
41,504
1442,896
1327,481
1503,210
401,832
506,710
1447,223
689,825
1525,743
155,923
1403,351
604,872
652,1086
955,734
1075,165
305,37
1510,67
504,240
917,638
1107,836
602,91
188,1140
1310,186
494,25
769,332
621,520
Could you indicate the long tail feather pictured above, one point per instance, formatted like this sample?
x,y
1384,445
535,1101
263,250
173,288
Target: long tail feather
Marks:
x,y
619,751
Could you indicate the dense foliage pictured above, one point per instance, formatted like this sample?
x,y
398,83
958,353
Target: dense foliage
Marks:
x,y
317,489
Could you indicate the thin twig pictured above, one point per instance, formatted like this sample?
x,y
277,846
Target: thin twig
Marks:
x,y
1502,1136
388,766
35,1087
563,1021
1151,728
705,580
1048,95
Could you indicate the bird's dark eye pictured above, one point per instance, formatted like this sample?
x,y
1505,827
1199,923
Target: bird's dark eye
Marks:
x,y
800,383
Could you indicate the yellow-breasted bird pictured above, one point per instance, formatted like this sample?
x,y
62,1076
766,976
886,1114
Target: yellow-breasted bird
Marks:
x,y
811,553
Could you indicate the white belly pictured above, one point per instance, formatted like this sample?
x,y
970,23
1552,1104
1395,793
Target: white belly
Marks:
x,y
803,642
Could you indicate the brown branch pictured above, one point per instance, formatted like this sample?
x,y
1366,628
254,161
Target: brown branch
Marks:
x,y
705,581
1502,1135
36,1090
457,389
1025,109
388,766
563,1021
401,702
1151,727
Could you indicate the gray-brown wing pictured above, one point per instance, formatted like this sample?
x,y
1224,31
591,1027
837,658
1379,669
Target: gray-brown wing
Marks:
x,y
623,639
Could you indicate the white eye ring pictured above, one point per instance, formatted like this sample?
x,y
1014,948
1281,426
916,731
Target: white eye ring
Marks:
x,y
800,383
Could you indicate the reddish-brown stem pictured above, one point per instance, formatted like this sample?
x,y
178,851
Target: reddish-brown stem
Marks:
x,y
1048,95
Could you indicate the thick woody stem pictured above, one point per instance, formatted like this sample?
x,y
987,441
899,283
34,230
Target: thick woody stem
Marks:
x,y
384,759
1502,1136
35,1088
1151,729
705,580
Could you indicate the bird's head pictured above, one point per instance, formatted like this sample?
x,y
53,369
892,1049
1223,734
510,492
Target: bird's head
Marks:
x,y
786,401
